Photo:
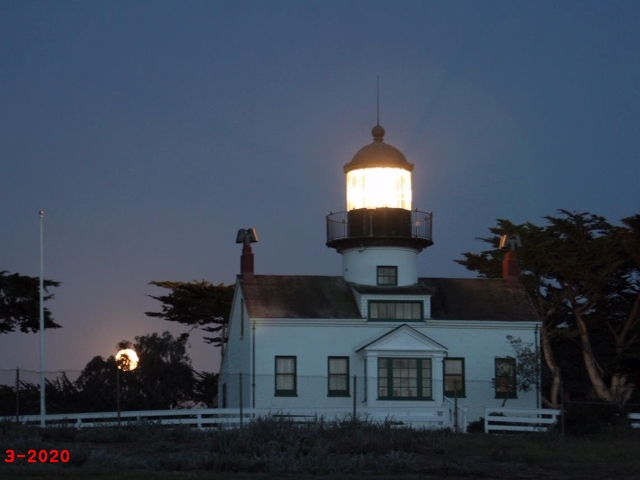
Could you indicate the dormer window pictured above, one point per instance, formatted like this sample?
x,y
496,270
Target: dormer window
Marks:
x,y
392,310
387,276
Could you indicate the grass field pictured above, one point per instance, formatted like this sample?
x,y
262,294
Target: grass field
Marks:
x,y
267,449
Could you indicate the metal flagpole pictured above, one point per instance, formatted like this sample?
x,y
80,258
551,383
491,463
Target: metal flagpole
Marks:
x,y
42,383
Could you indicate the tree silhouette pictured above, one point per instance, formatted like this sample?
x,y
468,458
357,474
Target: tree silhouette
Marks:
x,y
20,303
197,304
583,274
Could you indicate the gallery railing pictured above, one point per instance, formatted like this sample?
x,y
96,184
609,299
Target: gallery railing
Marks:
x,y
389,223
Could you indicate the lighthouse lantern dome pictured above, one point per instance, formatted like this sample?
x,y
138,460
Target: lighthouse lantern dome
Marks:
x,y
378,176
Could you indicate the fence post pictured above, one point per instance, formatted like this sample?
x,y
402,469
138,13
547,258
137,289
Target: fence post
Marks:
x,y
240,396
455,405
355,395
17,395
118,392
562,412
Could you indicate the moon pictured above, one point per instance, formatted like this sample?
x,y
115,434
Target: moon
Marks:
x,y
127,359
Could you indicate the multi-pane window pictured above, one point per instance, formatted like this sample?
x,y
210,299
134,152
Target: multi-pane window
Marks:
x,y
387,276
505,379
390,310
404,378
338,376
286,376
454,377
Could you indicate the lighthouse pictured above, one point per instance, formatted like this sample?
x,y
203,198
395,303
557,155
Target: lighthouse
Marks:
x,y
379,235
419,344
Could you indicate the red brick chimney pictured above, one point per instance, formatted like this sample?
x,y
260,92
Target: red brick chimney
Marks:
x,y
510,268
246,262
247,236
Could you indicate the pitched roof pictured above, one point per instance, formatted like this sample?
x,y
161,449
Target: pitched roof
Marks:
x,y
306,296
299,296
479,299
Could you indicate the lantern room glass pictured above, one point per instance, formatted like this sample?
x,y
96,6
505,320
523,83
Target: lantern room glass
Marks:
x,y
379,187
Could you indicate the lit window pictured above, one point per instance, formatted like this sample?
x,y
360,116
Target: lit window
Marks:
x,y
285,376
338,376
404,378
454,377
505,379
387,276
391,310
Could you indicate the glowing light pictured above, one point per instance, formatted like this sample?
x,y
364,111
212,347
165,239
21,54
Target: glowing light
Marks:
x,y
127,360
379,187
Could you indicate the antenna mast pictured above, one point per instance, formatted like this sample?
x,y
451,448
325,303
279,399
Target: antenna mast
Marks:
x,y
378,100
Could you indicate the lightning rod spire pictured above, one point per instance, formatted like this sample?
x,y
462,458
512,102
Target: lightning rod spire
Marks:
x,y
378,100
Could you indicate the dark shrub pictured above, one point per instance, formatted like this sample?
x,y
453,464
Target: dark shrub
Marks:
x,y
476,426
591,418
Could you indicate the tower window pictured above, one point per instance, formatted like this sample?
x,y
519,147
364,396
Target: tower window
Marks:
x,y
387,276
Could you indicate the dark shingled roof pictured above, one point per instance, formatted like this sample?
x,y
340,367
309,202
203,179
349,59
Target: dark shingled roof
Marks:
x,y
479,299
304,296
299,296
418,289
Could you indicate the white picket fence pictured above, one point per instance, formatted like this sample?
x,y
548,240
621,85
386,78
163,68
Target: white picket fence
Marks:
x,y
232,417
519,419
533,420
496,419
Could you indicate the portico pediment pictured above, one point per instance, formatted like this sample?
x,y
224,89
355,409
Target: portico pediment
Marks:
x,y
403,338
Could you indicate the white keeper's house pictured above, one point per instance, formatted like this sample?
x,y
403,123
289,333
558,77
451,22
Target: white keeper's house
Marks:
x,y
417,346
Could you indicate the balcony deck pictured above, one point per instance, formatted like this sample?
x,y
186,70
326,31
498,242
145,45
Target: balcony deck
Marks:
x,y
379,227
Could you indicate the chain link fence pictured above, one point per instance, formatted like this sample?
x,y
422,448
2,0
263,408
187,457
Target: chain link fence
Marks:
x,y
370,396
20,392
342,394
462,404
75,391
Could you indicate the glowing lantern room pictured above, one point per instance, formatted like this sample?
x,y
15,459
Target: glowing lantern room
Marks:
x,y
378,176
379,230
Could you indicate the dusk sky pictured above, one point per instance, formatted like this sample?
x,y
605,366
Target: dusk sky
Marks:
x,y
151,131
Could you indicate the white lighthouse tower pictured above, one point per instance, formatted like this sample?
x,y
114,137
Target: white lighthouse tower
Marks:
x,y
379,236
